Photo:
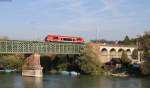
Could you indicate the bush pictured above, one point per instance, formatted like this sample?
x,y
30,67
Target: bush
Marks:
x,y
11,61
145,46
124,59
88,61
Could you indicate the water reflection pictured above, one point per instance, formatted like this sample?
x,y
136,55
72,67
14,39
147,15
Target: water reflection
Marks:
x,y
120,83
86,82
32,82
4,82
15,80
145,82
90,82
55,81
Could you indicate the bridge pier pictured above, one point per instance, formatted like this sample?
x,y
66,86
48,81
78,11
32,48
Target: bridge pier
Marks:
x,y
32,66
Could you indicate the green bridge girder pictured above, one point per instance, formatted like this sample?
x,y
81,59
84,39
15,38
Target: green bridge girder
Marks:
x,y
29,47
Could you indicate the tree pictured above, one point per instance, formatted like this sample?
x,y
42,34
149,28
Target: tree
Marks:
x,y
124,59
11,61
4,38
88,62
145,46
126,40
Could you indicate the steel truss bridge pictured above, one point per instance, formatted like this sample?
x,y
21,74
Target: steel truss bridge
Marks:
x,y
29,47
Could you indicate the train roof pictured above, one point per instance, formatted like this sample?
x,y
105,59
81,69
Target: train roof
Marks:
x,y
65,36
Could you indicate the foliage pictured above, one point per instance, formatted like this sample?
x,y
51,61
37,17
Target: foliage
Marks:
x,y
4,38
124,59
11,61
125,41
60,62
128,41
46,62
88,61
103,41
57,62
145,46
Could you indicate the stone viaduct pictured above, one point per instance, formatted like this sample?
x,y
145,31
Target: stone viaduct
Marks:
x,y
107,51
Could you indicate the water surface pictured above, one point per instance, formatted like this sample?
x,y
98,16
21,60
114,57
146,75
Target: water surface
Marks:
x,y
15,80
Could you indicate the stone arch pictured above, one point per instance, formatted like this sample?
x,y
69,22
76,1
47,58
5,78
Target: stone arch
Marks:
x,y
113,52
104,51
128,52
120,51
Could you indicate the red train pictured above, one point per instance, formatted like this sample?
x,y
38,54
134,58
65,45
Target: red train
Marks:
x,y
59,38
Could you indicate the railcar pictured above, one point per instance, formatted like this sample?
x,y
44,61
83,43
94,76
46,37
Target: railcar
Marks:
x,y
59,38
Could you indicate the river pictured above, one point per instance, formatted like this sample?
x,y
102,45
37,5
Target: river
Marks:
x,y
15,80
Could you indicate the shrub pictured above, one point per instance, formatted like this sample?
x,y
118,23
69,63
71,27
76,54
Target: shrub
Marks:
x,y
124,59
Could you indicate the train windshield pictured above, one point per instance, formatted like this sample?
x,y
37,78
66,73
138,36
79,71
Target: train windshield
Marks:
x,y
79,39
55,37
67,39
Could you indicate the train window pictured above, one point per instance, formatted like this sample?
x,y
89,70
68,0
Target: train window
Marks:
x,y
55,37
78,39
73,39
67,39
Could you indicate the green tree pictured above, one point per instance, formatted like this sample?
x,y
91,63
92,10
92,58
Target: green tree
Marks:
x,y
126,40
124,59
4,38
145,46
11,61
88,61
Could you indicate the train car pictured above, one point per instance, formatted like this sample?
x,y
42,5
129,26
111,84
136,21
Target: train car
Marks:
x,y
59,38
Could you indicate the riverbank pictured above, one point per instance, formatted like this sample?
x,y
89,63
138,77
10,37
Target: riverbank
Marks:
x,y
8,70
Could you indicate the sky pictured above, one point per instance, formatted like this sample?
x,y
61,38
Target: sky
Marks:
x,y
90,19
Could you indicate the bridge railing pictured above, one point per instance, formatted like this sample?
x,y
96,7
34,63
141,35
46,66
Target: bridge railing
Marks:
x,y
27,47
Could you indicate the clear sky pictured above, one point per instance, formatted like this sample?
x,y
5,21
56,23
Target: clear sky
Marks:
x,y
113,19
